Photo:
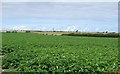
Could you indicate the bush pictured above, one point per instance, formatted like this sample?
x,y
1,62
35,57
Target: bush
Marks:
x,y
14,31
27,31
7,31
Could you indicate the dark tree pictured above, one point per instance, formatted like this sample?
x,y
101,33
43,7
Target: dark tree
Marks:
x,y
76,30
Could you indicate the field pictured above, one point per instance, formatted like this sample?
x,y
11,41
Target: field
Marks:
x,y
31,52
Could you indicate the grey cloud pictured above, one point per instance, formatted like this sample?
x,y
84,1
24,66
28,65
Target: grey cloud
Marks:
x,y
55,10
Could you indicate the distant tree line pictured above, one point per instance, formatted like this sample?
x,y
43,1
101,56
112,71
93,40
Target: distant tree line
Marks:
x,y
15,31
93,34
11,31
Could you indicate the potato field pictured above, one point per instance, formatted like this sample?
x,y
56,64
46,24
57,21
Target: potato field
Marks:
x,y
29,52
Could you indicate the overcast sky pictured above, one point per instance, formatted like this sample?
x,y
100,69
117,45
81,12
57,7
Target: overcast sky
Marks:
x,y
59,0
67,16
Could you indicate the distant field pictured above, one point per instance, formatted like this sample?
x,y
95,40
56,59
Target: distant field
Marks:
x,y
68,33
86,34
52,33
32,52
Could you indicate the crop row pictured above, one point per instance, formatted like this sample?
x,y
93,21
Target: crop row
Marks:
x,y
43,53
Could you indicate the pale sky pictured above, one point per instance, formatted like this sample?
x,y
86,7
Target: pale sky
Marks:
x,y
66,16
59,0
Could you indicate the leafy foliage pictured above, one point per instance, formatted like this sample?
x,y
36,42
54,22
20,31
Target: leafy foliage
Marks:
x,y
94,34
43,53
